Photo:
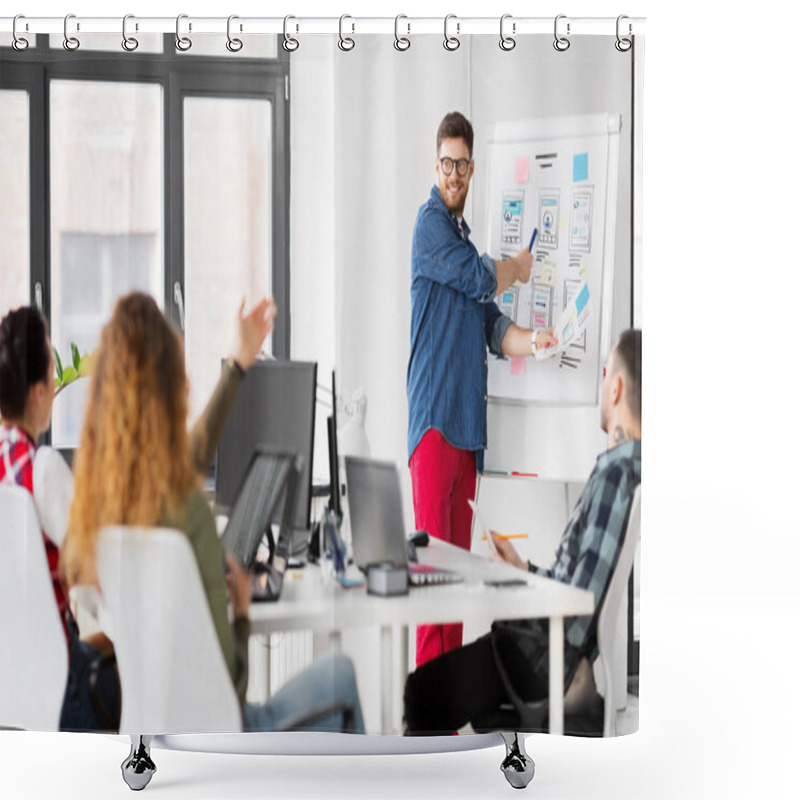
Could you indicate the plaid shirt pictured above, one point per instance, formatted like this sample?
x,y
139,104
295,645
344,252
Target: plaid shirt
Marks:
x,y
587,554
17,450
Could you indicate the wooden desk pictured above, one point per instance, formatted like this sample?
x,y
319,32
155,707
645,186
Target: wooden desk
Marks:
x,y
309,603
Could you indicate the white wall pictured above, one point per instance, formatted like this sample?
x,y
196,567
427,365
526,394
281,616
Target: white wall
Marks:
x,y
312,235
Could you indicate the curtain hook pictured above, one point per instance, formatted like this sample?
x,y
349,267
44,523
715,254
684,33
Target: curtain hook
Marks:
x,y
182,43
561,43
290,44
451,42
507,42
20,43
346,42
129,43
401,42
70,42
233,44
623,44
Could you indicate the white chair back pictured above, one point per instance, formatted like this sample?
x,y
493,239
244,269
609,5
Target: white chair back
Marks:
x,y
53,490
609,620
33,648
173,674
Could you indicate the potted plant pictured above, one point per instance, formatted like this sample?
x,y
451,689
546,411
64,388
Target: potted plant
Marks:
x,y
80,368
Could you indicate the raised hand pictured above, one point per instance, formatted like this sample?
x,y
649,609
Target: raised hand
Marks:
x,y
254,329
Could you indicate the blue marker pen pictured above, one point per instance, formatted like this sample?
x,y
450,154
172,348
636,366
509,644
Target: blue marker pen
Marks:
x,y
533,239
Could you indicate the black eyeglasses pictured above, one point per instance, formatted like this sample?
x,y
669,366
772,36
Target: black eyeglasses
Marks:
x,y
461,165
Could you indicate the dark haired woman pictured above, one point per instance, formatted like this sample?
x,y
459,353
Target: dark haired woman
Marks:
x,y
26,400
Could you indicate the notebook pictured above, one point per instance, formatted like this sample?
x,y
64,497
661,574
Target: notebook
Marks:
x,y
376,521
269,475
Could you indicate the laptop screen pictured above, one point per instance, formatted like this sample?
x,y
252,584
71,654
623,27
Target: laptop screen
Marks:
x,y
376,512
268,477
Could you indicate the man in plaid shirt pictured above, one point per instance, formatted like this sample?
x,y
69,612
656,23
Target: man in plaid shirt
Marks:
x,y
468,683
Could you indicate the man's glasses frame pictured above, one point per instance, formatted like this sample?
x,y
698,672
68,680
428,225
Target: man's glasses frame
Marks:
x,y
461,165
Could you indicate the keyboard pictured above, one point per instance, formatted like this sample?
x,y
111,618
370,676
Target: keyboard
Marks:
x,y
424,575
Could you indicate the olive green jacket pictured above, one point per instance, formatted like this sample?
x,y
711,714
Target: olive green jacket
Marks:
x,y
198,523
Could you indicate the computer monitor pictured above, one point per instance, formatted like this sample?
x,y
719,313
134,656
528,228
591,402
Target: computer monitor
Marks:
x,y
376,512
275,407
270,475
333,454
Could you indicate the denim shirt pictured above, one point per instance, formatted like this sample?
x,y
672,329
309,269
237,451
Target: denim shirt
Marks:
x,y
453,320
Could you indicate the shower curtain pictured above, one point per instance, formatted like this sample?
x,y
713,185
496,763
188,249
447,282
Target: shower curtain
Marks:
x,y
238,167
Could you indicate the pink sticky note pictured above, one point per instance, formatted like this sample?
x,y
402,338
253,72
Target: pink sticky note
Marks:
x,y
517,365
521,169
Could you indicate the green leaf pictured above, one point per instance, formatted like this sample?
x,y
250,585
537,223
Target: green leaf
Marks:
x,y
85,366
76,356
70,374
57,382
59,370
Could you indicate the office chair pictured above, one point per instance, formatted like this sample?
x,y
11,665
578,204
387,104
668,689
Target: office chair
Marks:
x,y
174,676
34,657
583,706
612,612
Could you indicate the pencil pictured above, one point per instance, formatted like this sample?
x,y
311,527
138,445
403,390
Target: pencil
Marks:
x,y
509,535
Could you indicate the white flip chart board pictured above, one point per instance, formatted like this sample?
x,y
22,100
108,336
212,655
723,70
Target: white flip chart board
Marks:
x,y
559,176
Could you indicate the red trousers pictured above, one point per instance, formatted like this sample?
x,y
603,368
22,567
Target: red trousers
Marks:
x,y
443,478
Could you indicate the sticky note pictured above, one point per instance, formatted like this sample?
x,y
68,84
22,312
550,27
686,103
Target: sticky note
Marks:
x,y
582,299
580,167
517,365
548,276
522,169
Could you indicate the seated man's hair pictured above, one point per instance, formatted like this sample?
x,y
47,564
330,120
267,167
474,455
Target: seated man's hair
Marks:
x,y
629,353
455,126
24,358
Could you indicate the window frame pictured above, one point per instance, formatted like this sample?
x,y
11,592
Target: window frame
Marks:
x,y
180,75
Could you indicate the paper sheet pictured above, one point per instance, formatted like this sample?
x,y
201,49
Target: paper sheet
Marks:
x,y
482,526
570,324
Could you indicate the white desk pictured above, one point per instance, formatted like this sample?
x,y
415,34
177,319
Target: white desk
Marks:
x,y
307,603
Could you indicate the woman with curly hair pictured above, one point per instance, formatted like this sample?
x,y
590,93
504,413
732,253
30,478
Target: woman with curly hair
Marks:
x,y
137,466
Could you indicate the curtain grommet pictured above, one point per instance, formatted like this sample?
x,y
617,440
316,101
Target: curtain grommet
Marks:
x,y
234,44
507,43
623,43
451,43
346,43
129,43
71,43
401,43
19,43
289,43
182,43
561,43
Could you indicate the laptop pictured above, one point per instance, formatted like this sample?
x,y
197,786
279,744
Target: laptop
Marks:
x,y
376,521
270,475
